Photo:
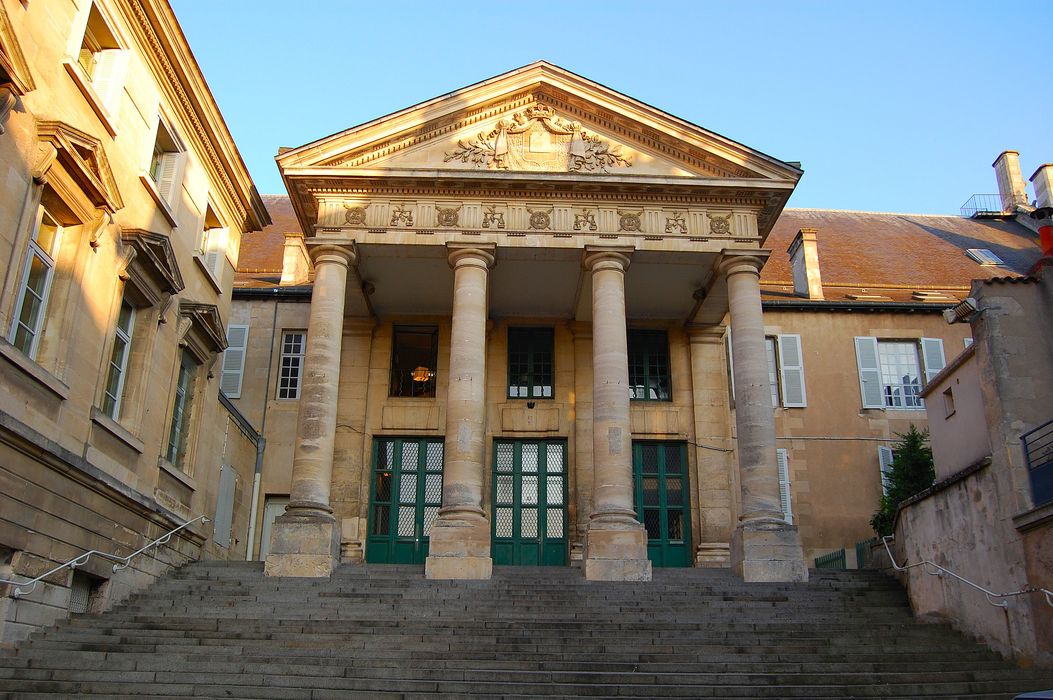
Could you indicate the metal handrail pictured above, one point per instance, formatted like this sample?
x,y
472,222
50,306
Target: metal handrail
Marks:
x,y
120,562
941,570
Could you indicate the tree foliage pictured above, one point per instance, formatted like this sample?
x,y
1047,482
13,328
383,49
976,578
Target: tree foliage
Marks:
x,y
911,472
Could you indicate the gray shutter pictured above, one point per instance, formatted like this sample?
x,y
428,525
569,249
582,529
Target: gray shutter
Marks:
x,y
869,372
731,364
782,458
885,457
234,360
932,356
791,371
224,506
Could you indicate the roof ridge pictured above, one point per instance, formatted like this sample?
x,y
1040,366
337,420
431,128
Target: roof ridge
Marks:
x,y
878,213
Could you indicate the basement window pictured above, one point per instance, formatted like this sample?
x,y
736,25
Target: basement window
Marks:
x,y
984,256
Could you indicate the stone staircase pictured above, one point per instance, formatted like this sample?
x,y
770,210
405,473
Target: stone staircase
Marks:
x,y
221,629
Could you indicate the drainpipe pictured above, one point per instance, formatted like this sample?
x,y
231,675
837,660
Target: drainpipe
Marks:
x,y
261,444
1044,218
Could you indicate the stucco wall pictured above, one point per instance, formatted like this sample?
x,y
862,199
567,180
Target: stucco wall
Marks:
x,y
957,425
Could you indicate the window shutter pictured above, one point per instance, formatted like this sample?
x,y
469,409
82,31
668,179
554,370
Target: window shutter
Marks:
x,y
215,249
932,356
791,365
869,372
234,360
110,69
885,457
171,177
782,458
731,364
224,506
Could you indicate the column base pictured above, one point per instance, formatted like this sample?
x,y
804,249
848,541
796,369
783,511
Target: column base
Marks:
x,y
459,549
303,545
767,551
616,551
713,555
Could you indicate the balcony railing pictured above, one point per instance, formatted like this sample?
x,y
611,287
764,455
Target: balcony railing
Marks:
x,y
981,205
1038,454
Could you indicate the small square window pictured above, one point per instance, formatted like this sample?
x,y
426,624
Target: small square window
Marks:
x,y
414,355
530,368
948,402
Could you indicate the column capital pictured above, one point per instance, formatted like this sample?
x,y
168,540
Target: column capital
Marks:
x,y
345,254
607,258
705,333
732,261
475,254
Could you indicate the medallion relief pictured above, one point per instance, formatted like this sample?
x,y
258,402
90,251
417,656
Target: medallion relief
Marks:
x,y
538,140
355,216
448,216
720,225
629,221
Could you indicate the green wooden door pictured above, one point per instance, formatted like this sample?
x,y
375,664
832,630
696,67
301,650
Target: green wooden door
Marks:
x,y
662,503
529,501
404,498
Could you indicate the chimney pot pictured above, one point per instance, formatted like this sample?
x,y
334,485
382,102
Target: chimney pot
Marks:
x,y
1011,185
804,260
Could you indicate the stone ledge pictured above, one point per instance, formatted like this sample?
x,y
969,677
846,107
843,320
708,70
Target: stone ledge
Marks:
x,y
117,430
1034,518
32,370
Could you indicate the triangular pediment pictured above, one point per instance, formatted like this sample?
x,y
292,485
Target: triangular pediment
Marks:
x,y
539,118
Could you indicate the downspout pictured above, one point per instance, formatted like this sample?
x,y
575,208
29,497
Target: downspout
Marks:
x,y
261,444
1044,217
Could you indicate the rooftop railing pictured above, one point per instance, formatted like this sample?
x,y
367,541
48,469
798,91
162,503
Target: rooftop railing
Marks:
x,y
981,205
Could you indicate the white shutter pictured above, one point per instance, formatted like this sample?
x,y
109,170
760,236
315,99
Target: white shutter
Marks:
x,y
170,178
791,371
932,356
869,372
885,457
111,65
215,250
731,364
782,458
234,360
224,506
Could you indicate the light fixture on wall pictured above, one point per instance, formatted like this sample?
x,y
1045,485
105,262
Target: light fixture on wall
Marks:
x,y
962,313
422,374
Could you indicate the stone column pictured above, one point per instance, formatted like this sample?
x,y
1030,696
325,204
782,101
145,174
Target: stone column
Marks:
x,y
616,543
582,408
305,540
709,389
460,537
763,547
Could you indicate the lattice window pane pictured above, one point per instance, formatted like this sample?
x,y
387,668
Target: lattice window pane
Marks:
x,y
383,487
410,453
430,513
504,489
504,456
651,522
650,491
381,520
528,490
385,455
674,463
503,524
650,458
554,523
674,492
433,456
433,488
407,516
530,458
554,491
675,522
408,488
554,459
528,522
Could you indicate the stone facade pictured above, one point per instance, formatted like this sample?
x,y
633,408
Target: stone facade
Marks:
x,y
124,202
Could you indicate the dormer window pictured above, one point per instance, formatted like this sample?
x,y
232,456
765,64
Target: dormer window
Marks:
x,y
984,256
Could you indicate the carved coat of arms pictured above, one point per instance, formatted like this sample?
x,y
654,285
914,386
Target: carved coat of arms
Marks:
x,y
538,140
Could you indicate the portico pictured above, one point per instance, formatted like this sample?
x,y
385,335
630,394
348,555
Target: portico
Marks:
x,y
564,242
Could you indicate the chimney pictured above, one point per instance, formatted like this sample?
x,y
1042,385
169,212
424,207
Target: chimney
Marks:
x,y
1011,185
296,263
1043,216
1042,181
804,259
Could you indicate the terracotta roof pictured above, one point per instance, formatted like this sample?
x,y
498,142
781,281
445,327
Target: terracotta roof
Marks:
x,y
874,257
867,254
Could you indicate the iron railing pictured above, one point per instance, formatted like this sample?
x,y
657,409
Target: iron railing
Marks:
x,y
980,205
831,560
1038,454
119,562
934,569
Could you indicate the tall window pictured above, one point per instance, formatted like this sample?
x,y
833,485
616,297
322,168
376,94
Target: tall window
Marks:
x,y
102,60
290,368
118,370
36,284
177,435
648,365
785,371
892,372
167,162
530,363
414,355
900,374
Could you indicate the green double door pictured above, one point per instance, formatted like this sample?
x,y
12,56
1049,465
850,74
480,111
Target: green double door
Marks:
x,y
404,498
529,502
662,503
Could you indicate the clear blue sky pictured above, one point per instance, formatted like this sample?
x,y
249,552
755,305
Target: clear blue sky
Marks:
x,y
889,106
